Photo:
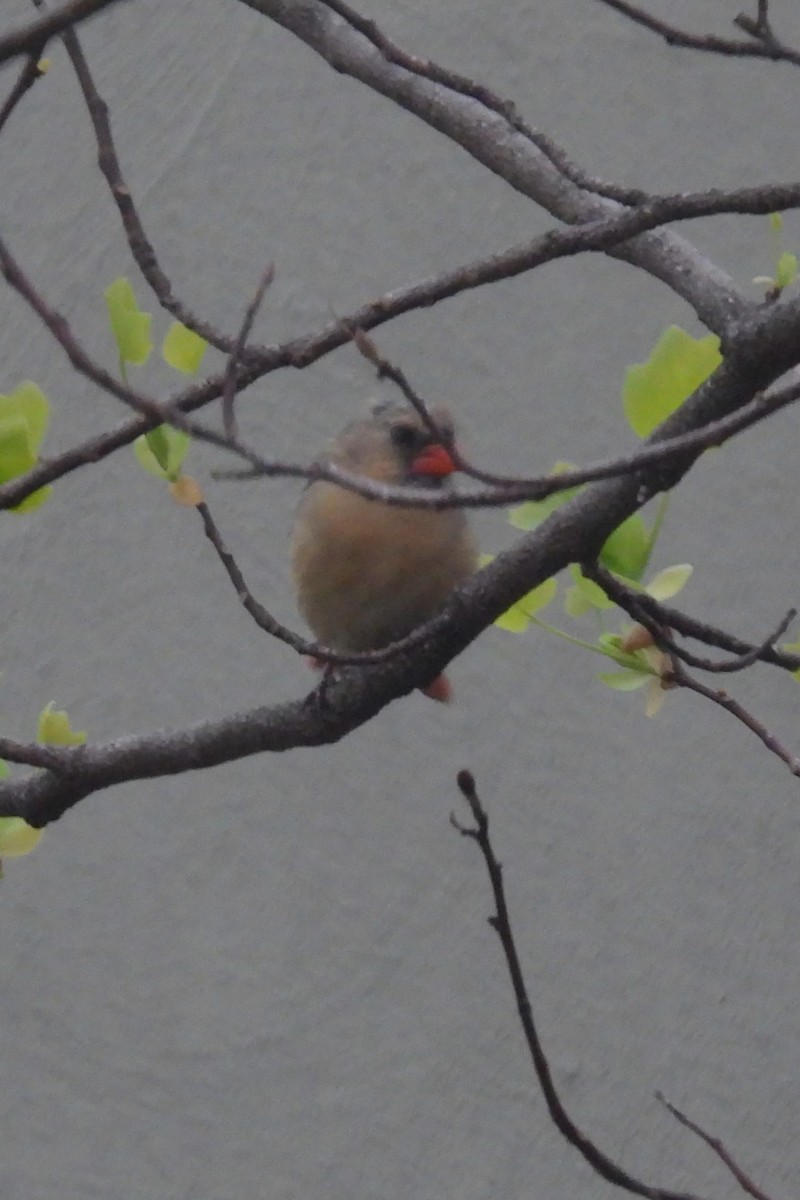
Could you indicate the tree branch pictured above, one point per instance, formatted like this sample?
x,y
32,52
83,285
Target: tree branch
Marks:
x,y
32,38
492,140
574,533
762,43
719,1148
605,1167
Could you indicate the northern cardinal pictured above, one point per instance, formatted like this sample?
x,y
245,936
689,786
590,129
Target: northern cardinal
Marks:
x,y
367,573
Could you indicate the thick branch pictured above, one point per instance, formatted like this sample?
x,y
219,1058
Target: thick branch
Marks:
x,y
33,37
574,533
491,139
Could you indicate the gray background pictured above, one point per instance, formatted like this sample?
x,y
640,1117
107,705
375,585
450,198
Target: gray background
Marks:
x,y
276,979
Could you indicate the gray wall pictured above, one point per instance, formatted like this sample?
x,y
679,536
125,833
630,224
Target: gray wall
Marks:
x,y
276,979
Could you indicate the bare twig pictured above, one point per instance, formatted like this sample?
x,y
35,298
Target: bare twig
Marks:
x,y
679,676
269,624
140,246
719,1148
763,43
229,385
31,71
501,923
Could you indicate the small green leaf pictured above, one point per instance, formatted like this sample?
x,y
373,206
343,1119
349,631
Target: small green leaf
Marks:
x,y
130,326
539,597
183,349
670,581
627,550
623,681
776,222
162,450
24,416
654,698
592,595
16,455
54,728
17,837
609,644
29,404
677,366
575,602
517,618
787,270
531,513
4,772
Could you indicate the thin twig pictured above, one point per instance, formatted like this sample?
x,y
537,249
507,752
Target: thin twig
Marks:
x,y
270,625
31,71
234,360
719,1148
659,621
763,43
679,676
676,674
140,246
501,923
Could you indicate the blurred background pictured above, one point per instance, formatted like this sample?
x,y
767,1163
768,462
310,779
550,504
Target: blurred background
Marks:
x,y
276,979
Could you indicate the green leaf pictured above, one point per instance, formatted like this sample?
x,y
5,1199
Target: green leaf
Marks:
x,y
54,728
623,681
162,450
670,581
24,416
517,618
776,222
677,366
787,270
609,644
130,326
27,403
3,769
531,513
17,837
16,455
575,602
589,594
183,349
627,550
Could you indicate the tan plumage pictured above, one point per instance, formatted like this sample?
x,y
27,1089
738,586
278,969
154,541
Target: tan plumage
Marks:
x,y
367,573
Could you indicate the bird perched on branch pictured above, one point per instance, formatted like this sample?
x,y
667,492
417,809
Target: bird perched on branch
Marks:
x,y
367,573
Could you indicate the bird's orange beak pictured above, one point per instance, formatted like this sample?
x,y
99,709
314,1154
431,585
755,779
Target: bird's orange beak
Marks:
x,y
434,460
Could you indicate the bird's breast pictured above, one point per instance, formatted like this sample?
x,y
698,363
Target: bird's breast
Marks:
x,y
367,573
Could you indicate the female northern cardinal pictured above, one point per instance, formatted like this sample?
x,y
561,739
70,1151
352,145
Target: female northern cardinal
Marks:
x,y
368,573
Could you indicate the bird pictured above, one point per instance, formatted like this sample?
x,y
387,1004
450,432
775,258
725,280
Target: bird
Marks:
x,y
367,573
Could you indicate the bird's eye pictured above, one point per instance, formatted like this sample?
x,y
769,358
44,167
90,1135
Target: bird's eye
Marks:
x,y
405,437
